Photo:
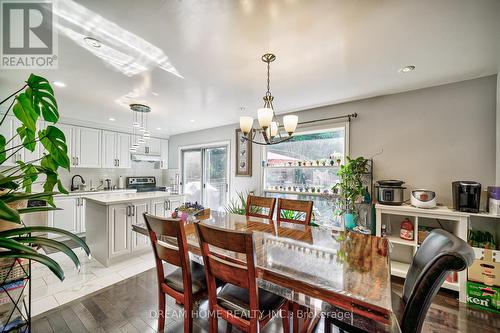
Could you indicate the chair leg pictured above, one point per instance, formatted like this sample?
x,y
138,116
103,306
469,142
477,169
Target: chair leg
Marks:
x,y
229,328
213,322
328,325
295,319
161,311
188,318
285,317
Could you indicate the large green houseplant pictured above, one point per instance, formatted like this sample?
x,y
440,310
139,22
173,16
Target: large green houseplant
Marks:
x,y
33,103
351,187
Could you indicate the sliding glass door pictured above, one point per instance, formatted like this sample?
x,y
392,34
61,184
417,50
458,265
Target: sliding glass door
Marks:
x,y
205,176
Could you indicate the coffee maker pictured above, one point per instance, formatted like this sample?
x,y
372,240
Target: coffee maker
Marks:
x,y
466,196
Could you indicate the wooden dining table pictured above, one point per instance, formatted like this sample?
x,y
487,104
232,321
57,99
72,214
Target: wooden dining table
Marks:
x,y
344,275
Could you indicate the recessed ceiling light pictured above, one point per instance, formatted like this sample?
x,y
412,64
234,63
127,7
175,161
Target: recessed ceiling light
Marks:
x,y
92,42
59,84
112,119
158,128
407,69
154,93
191,120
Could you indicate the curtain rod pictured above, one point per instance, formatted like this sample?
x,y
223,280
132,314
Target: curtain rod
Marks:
x,y
348,116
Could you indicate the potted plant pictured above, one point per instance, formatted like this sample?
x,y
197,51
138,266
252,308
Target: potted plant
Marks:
x,y
351,187
32,102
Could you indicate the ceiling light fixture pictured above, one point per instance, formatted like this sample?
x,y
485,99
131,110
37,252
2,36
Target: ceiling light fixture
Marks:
x,y
154,93
407,69
112,119
140,131
92,42
191,120
59,84
270,127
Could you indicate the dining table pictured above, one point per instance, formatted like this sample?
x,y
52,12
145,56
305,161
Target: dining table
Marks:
x,y
342,275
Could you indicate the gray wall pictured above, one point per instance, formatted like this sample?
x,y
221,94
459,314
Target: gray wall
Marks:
x,y
429,137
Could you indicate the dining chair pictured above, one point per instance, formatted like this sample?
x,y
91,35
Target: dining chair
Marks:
x,y
295,211
440,253
239,302
255,206
187,283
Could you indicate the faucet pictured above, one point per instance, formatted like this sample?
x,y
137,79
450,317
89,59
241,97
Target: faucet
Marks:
x,y
73,186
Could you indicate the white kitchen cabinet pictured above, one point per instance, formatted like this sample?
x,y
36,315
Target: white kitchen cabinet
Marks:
x,y
68,218
163,154
87,147
159,207
119,230
173,202
139,241
68,134
152,146
115,150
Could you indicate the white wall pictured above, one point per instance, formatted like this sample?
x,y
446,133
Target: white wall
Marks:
x,y
429,137
498,132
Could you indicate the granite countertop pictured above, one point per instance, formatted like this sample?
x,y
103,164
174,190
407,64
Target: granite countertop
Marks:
x,y
116,198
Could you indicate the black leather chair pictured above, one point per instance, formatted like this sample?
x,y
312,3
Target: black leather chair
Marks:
x,y
440,253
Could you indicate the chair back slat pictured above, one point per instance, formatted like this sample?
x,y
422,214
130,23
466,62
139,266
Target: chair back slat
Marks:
x,y
255,205
168,253
218,237
228,271
302,209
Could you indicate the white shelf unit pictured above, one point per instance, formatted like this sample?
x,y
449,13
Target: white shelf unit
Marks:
x,y
403,250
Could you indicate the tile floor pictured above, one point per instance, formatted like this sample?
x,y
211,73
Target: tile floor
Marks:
x,y
49,292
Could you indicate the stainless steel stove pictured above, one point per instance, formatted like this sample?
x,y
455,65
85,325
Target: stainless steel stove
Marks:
x,y
144,184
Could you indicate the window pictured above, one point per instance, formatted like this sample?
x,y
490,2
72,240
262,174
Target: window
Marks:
x,y
305,168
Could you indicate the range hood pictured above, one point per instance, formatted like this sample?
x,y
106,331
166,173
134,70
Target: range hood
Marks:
x,y
146,157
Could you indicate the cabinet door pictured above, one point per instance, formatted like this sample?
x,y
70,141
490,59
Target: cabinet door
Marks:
x,y
109,159
139,241
159,208
7,130
119,230
164,154
172,204
152,146
68,131
67,218
88,147
123,150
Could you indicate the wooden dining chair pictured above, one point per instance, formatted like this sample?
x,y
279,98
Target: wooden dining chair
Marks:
x,y
239,302
295,211
440,253
256,204
187,283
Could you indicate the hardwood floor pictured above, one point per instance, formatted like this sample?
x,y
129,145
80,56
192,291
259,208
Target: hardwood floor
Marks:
x,y
129,306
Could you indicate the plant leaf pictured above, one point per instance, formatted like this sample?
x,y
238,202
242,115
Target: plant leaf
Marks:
x,y
37,209
10,244
41,258
42,96
23,110
8,214
22,231
54,141
51,243
3,153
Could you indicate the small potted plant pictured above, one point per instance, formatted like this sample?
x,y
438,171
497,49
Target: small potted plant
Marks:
x,y
351,188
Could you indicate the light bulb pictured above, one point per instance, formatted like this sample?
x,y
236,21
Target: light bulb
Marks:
x,y
290,123
246,124
265,116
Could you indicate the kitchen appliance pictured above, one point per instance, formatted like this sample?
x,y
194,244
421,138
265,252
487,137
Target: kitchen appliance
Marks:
x,y
466,196
390,192
146,157
144,184
423,198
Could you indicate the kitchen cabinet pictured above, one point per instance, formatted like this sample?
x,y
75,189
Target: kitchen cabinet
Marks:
x,y
152,146
137,209
68,218
115,150
119,230
8,130
163,154
159,207
86,148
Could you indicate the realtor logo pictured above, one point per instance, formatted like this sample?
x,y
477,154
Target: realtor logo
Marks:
x,y
28,38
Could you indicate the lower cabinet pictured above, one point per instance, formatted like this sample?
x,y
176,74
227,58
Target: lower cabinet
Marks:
x,y
119,230
68,218
165,206
139,241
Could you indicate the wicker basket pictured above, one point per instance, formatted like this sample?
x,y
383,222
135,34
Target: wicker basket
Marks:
x,y
13,269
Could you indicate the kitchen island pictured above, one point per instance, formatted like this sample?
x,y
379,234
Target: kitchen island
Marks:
x,y
110,217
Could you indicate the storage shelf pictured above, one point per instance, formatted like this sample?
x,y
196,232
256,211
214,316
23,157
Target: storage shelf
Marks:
x,y
398,240
399,268
330,195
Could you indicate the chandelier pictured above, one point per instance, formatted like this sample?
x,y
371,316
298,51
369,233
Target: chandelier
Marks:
x,y
140,133
269,125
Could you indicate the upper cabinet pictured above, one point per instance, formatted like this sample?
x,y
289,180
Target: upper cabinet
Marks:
x,y
84,145
163,154
152,146
8,130
115,150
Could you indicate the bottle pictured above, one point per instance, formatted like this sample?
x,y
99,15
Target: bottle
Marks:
x,y
121,183
406,230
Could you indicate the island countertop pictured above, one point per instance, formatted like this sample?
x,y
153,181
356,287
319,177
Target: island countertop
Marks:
x,y
117,198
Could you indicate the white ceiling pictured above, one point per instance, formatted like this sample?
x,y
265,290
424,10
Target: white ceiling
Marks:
x,y
327,52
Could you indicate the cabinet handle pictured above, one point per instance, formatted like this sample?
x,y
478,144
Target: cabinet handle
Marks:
x,y
128,211
77,160
118,161
133,210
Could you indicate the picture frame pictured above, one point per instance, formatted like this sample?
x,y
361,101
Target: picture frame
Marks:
x,y
243,156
